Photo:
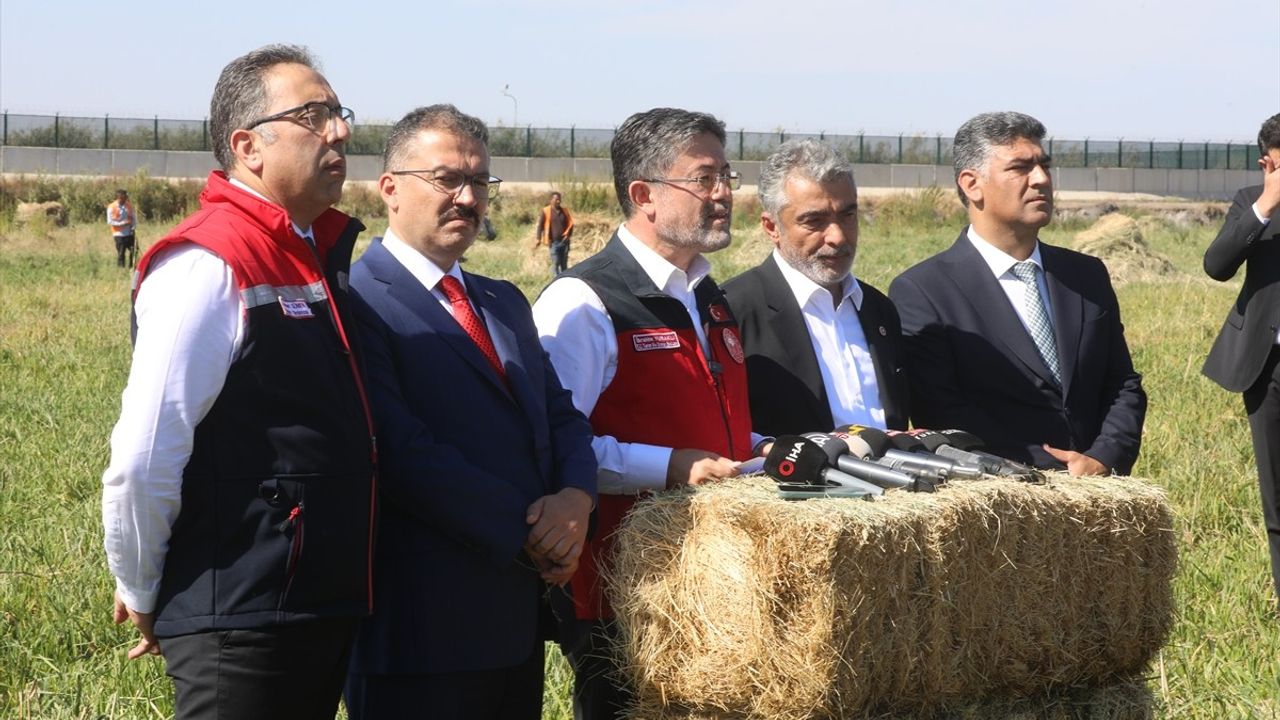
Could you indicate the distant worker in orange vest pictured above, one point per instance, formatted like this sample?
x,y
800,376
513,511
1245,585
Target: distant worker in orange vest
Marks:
x,y
555,228
122,220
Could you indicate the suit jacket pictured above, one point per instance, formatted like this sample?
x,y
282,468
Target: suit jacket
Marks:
x,y
461,458
973,365
784,382
1235,361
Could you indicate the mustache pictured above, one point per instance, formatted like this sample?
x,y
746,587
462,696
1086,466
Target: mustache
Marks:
x,y
459,212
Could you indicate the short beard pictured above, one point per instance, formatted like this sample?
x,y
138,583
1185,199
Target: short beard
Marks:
x,y
812,268
697,235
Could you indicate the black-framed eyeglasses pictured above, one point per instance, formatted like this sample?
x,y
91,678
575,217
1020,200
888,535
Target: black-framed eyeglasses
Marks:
x,y
451,182
315,115
708,183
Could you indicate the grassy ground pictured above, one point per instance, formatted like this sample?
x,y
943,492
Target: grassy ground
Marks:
x,y
64,358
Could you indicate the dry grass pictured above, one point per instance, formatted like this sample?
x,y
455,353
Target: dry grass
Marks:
x,y
1118,240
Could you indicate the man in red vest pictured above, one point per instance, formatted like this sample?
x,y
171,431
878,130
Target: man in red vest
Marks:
x,y
239,502
642,336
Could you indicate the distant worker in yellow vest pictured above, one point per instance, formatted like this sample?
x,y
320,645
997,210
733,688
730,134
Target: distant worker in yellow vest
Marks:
x,y
122,220
555,228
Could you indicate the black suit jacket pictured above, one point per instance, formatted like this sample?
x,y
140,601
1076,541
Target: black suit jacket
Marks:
x,y
973,365
783,379
462,455
1249,333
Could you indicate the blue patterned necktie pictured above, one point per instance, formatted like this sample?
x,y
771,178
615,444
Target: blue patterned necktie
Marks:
x,y
1037,317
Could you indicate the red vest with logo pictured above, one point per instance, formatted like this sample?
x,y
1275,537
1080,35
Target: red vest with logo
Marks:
x,y
665,392
277,515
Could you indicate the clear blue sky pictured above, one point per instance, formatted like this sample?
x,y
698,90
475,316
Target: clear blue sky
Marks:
x,y
1139,69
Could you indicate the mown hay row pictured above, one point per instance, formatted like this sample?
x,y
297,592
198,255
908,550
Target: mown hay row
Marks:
x,y
732,601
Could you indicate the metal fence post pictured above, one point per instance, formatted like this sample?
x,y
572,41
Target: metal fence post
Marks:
x,y
5,139
155,132
899,148
861,145
204,134
1086,152
1120,153
1151,153
1206,155
741,132
782,137
571,140
937,156
56,130
106,131
1179,154
528,141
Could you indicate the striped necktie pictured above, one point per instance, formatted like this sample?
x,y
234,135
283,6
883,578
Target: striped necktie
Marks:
x,y
1037,318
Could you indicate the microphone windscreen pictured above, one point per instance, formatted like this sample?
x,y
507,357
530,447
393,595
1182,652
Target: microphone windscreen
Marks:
x,y
962,440
930,439
794,459
906,442
830,445
874,437
857,446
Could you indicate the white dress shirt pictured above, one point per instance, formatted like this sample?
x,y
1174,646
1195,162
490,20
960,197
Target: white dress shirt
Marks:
x,y
1001,264
844,357
190,328
424,269
578,334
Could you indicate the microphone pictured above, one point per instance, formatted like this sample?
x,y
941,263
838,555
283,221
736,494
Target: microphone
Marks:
x,y
964,447
901,452
795,463
837,453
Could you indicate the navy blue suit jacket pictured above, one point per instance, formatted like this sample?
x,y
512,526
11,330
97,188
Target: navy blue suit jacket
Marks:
x,y
461,458
972,365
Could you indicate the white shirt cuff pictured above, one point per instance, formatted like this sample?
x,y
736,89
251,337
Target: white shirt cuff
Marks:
x,y
1263,220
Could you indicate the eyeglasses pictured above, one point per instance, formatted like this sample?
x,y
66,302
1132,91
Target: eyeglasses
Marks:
x,y
451,182
315,115
708,183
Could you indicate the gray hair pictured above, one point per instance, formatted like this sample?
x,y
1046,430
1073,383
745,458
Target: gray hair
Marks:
x,y
805,158
431,117
240,95
975,138
647,144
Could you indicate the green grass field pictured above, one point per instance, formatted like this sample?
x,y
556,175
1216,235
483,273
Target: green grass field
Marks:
x,y
64,358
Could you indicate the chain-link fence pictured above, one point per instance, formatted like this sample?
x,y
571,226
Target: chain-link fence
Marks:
x,y
64,131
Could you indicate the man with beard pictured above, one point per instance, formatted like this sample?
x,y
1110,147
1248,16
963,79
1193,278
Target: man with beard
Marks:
x,y
643,337
487,468
823,349
1013,340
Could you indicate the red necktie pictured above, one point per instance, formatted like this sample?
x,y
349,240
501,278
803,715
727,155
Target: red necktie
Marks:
x,y
466,317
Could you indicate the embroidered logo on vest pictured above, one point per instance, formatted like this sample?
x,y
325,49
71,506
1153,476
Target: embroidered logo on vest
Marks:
x,y
733,345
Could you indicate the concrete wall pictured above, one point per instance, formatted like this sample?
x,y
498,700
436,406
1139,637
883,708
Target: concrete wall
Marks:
x,y
1201,184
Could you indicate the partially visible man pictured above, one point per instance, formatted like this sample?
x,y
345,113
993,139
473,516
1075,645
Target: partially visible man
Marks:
x,y
823,349
244,425
643,337
122,221
487,469
555,230
1013,340
1245,357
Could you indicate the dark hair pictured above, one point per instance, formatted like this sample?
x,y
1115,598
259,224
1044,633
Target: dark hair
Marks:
x,y
555,193
240,95
647,143
121,191
975,138
1269,135
430,117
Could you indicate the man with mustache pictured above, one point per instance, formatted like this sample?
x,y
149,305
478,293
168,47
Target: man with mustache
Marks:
x,y
487,468
1011,339
643,337
239,502
823,349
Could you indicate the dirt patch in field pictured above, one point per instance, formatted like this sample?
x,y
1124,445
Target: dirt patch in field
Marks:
x,y
1117,240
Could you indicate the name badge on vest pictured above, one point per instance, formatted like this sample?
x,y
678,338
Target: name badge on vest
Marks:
x,y
296,309
643,342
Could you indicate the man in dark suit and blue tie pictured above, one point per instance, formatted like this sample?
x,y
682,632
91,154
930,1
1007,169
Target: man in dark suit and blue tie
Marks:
x,y
1246,358
823,348
487,471
1013,340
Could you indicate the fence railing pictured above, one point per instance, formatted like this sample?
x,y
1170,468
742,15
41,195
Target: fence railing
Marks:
x,y
65,131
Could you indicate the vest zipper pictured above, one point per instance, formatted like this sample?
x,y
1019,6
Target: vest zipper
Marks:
x,y
294,521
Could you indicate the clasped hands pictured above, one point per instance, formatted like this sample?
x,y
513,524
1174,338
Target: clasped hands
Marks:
x,y
558,532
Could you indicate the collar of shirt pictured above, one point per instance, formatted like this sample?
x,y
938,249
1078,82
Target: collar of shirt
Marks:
x,y
998,260
669,278
304,234
420,266
806,290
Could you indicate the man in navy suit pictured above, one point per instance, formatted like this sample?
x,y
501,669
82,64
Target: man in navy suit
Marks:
x,y
1014,340
1246,358
487,471
823,348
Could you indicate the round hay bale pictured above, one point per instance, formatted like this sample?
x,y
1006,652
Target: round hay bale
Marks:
x,y
28,212
732,601
1117,240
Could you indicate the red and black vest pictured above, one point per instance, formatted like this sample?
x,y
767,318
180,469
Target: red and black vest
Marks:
x,y
665,392
278,504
